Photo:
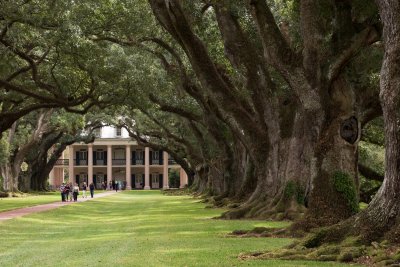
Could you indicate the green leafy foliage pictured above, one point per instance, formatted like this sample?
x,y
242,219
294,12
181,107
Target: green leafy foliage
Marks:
x,y
373,132
173,179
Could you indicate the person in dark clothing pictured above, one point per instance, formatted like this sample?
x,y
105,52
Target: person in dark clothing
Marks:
x,y
62,191
76,192
67,188
116,186
91,188
113,185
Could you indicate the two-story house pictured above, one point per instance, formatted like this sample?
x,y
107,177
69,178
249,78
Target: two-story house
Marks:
x,y
114,156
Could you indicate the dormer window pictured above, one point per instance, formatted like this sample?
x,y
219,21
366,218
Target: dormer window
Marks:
x,y
118,131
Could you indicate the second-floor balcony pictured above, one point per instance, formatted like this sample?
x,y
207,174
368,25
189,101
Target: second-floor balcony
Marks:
x,y
62,162
137,162
115,162
155,162
80,162
100,162
118,161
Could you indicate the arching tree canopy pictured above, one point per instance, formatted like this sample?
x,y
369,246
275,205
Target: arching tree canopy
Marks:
x,y
263,103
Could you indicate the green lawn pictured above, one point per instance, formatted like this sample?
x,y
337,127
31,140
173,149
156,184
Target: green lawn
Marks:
x,y
137,228
33,199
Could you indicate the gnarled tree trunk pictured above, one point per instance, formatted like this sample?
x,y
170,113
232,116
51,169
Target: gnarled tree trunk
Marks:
x,y
382,216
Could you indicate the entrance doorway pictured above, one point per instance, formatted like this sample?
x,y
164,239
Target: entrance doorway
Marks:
x,y
138,180
155,180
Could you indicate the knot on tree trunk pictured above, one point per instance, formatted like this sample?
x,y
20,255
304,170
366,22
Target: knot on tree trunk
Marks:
x,y
349,130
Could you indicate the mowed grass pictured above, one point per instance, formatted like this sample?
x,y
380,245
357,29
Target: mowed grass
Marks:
x,y
136,228
28,200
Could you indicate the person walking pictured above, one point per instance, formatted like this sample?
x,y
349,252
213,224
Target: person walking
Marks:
x,y
62,191
110,185
116,186
76,192
67,188
84,187
91,188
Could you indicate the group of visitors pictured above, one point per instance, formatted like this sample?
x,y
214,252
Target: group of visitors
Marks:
x,y
70,192
113,186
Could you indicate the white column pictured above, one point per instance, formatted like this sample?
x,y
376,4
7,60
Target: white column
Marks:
x,y
165,171
128,167
71,164
183,178
90,164
63,167
146,168
109,164
51,173
51,179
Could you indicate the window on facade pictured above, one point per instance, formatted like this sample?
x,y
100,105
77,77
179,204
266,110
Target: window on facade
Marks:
x,y
138,178
155,155
82,154
118,131
99,154
154,178
139,154
118,153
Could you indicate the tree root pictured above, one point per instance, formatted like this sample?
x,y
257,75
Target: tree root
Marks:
x,y
265,211
349,250
344,242
262,232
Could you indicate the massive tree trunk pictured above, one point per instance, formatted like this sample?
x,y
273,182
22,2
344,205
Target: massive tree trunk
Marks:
x,y
335,177
42,166
382,216
11,170
282,167
325,120
381,219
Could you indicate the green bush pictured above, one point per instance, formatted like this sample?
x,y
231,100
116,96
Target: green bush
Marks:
x,y
344,184
173,179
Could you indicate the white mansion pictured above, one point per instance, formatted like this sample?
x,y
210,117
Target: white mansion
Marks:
x,y
113,156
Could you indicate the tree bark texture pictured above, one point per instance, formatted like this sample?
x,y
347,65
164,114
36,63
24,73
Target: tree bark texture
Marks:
x,y
297,157
382,216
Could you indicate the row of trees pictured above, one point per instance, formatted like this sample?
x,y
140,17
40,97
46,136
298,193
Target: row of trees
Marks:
x,y
262,103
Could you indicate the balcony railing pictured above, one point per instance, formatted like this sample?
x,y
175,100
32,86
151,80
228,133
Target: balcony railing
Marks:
x,y
81,162
99,162
62,162
137,162
155,162
115,162
118,161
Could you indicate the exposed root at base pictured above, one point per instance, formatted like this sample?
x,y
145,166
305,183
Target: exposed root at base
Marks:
x,y
350,250
261,232
264,211
176,192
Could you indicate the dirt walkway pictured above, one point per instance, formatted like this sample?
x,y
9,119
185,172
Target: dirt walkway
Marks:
x,y
7,215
